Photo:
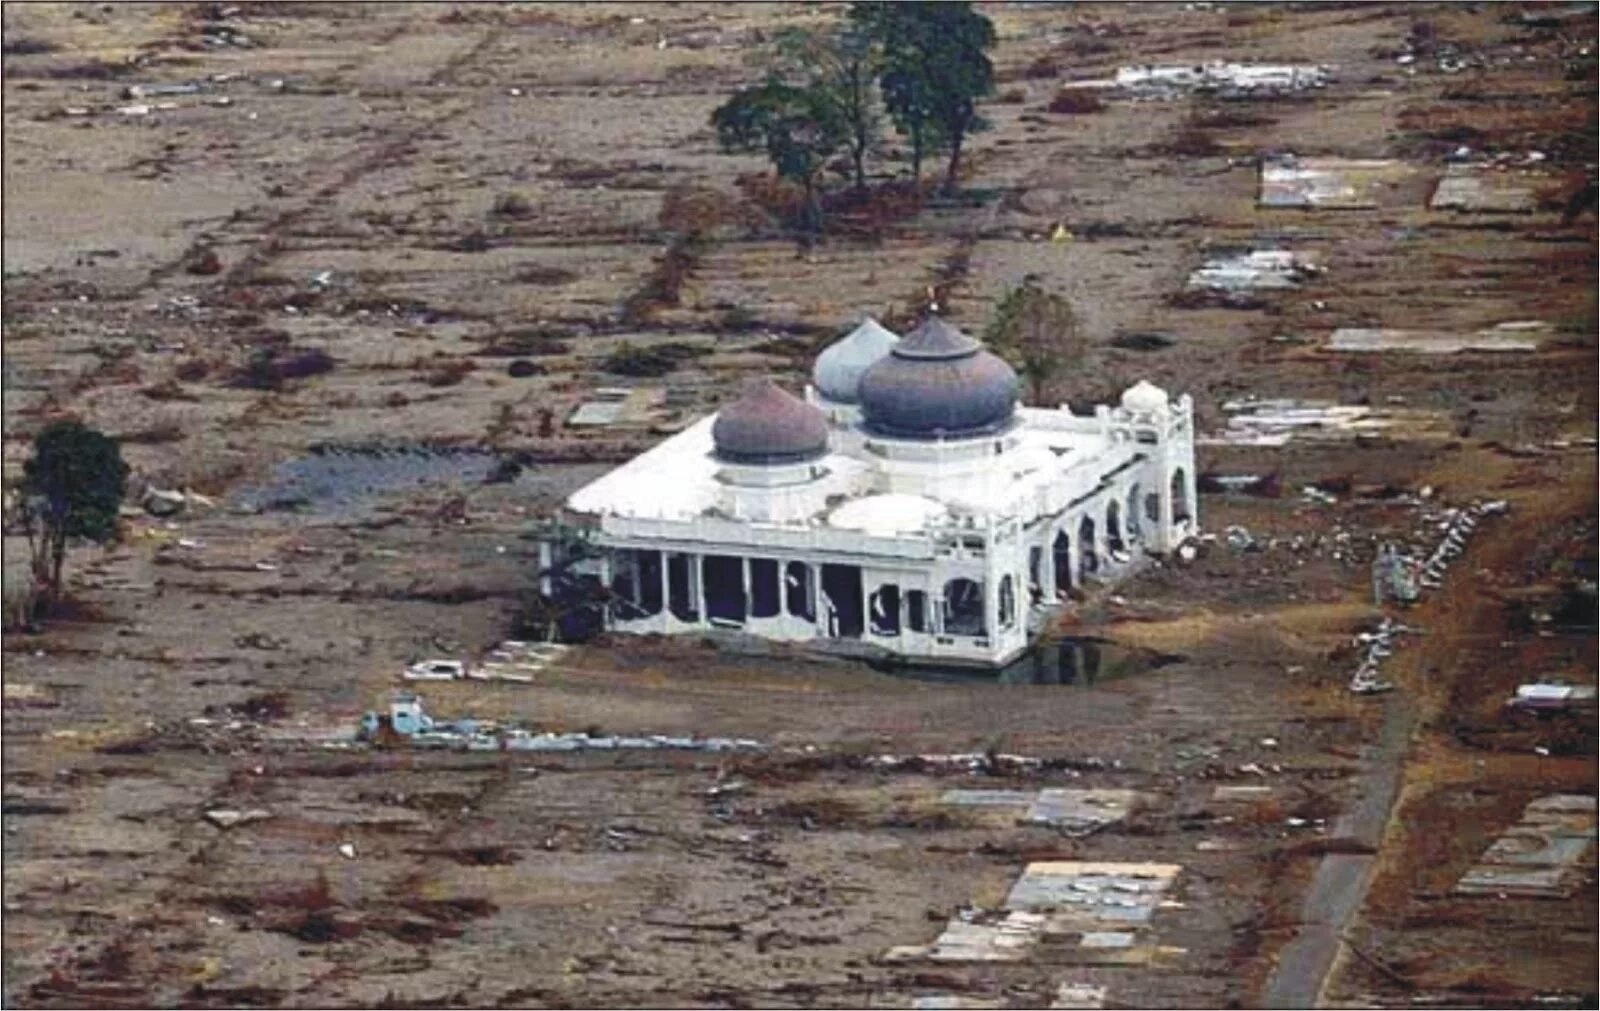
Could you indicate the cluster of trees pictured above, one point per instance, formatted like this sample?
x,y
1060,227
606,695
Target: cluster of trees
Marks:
x,y
825,93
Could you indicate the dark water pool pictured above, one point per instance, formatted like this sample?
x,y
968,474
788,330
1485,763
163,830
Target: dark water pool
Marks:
x,y
1069,661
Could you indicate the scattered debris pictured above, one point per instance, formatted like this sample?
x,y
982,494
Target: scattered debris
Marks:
x,y
618,405
1274,422
1106,906
224,817
1075,812
1227,80
1517,336
1252,270
1395,577
1078,997
1538,856
1491,189
160,502
436,670
407,722
1552,696
1328,183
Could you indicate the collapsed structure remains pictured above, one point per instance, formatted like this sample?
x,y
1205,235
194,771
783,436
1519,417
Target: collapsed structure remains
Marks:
x,y
908,506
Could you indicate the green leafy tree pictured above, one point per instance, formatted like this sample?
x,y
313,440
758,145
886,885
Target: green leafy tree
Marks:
x,y
1037,332
799,128
71,488
842,65
934,71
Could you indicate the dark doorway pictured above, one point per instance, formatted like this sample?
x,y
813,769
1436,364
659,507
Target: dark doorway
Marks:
x,y
884,610
1114,538
963,607
724,588
1088,560
1061,553
917,610
764,595
680,596
841,586
797,586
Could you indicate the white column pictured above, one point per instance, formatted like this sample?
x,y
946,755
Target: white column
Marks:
x,y
697,593
666,589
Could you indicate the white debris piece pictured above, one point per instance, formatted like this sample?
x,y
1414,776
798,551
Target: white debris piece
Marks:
x,y
1229,79
1552,695
224,817
1331,183
436,670
1277,421
1487,189
1515,336
1253,270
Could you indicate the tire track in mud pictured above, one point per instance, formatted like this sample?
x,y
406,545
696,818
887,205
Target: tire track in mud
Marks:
x,y
270,242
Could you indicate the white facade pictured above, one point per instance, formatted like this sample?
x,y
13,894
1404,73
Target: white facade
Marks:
x,y
937,550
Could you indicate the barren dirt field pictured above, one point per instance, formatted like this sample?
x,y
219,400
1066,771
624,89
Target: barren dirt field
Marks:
x,y
440,220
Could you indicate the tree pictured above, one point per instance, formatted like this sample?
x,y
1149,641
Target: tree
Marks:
x,y
842,65
71,487
934,71
800,129
1037,331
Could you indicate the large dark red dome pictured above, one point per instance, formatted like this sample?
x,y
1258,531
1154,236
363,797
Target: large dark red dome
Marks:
x,y
938,383
769,425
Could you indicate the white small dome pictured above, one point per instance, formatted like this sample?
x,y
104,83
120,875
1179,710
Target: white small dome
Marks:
x,y
839,368
1144,396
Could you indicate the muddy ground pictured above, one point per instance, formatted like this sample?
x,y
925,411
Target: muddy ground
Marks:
x,y
427,193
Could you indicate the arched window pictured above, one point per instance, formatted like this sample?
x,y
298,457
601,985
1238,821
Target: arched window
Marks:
x,y
1114,538
963,608
1180,497
1132,517
1061,554
1008,602
1088,560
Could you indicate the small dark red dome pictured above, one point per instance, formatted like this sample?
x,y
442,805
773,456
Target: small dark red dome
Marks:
x,y
767,424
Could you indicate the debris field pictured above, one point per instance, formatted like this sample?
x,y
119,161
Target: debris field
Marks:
x,y
366,290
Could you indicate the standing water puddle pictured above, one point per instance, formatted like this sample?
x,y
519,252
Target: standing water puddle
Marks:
x,y
335,480
1076,661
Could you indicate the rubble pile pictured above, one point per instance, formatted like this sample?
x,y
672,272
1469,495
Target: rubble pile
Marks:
x,y
1226,80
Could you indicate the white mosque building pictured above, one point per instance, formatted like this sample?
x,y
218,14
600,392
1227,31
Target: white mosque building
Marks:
x,y
908,506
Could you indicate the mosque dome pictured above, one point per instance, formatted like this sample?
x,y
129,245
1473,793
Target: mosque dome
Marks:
x,y
766,425
838,371
1144,397
938,383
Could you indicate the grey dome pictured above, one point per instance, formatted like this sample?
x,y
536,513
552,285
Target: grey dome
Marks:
x,y
938,383
838,371
769,425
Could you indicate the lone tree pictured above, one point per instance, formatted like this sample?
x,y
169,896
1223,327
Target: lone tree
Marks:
x,y
1036,331
71,487
799,128
935,69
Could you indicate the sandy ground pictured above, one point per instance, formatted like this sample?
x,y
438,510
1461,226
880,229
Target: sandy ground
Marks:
x,y
371,144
